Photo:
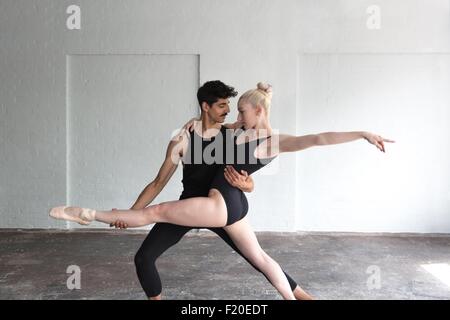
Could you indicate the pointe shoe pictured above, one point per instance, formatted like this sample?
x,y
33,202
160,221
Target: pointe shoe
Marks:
x,y
83,216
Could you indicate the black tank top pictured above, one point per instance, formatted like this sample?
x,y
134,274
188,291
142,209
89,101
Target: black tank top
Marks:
x,y
244,155
199,171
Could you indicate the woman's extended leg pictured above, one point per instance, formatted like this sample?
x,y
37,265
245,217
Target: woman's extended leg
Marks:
x,y
208,211
245,239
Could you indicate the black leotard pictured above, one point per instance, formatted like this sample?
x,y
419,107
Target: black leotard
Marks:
x,y
244,159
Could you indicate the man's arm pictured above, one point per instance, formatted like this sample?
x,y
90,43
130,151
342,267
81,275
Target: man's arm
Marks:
x,y
189,126
169,166
235,125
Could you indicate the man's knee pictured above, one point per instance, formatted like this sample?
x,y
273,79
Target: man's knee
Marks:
x,y
143,258
138,259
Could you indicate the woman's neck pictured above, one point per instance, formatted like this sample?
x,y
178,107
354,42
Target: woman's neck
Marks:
x,y
264,128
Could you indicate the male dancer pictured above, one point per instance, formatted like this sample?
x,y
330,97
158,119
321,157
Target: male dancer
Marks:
x,y
213,100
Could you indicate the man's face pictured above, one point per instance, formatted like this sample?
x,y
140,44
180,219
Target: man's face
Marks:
x,y
218,110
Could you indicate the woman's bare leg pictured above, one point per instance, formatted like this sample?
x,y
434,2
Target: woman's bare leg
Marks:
x,y
245,239
208,211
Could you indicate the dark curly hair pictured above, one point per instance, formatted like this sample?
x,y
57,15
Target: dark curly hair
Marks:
x,y
212,91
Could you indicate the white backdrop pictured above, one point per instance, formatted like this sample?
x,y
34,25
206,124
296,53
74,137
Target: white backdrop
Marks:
x,y
85,115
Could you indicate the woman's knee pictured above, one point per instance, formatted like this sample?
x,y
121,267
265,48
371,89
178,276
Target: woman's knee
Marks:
x,y
266,257
260,258
154,213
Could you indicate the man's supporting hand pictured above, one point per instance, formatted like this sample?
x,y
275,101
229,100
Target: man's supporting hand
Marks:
x,y
118,224
238,180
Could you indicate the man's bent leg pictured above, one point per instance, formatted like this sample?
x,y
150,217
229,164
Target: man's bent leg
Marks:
x,y
161,237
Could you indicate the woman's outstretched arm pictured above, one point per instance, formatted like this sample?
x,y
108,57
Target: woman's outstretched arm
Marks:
x,y
288,143
327,138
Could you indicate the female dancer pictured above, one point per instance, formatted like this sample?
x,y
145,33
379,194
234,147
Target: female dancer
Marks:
x,y
225,205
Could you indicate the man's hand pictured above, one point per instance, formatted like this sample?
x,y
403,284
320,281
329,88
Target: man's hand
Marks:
x,y
189,126
118,224
236,125
238,180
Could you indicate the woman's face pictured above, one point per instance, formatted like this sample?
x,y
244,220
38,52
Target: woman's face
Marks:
x,y
247,115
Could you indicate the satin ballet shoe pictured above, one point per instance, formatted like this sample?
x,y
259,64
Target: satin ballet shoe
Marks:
x,y
83,216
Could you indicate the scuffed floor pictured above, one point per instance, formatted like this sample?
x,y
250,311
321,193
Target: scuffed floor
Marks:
x,y
33,265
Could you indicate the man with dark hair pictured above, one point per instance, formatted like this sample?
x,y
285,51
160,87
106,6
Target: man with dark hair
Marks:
x,y
211,91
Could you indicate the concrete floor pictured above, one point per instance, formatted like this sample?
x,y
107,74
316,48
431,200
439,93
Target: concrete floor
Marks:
x,y
33,265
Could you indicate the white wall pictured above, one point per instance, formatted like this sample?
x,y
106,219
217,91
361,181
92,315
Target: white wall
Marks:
x,y
354,186
85,115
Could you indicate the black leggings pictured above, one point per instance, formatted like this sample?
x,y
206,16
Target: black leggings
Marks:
x,y
162,237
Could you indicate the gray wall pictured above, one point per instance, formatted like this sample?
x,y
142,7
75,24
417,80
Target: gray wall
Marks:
x,y
85,115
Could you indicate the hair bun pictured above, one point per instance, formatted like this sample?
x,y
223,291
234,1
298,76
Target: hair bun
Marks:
x,y
267,88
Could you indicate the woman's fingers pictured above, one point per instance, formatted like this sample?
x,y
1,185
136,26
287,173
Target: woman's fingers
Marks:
x,y
382,146
377,144
378,141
